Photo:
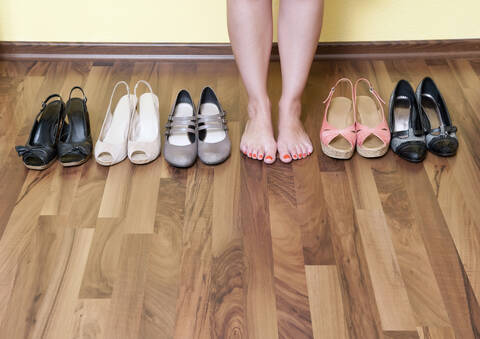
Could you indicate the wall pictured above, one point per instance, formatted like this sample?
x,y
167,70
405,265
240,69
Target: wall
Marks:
x,y
205,20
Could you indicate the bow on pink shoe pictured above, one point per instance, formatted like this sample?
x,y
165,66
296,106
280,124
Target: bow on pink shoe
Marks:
x,y
339,120
381,131
370,121
328,133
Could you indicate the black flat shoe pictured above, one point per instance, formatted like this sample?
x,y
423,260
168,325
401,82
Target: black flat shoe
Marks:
x,y
440,133
75,144
41,149
405,124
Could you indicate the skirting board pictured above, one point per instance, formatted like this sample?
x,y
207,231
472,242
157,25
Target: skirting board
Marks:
x,y
162,51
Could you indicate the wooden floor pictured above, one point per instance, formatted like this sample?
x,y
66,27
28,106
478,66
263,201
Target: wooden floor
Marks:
x,y
316,249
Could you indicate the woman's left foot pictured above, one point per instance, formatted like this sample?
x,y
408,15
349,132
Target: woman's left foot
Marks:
x,y
293,142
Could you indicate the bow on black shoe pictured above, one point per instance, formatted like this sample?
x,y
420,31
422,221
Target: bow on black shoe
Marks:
x,y
75,144
439,131
40,150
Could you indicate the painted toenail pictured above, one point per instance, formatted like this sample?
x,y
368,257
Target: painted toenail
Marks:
x,y
268,157
286,156
260,157
294,156
254,156
304,154
249,154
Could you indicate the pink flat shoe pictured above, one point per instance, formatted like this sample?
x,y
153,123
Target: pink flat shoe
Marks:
x,y
338,134
373,134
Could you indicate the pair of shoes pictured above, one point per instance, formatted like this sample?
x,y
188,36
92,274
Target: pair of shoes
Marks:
x,y
132,129
61,130
190,133
420,121
358,123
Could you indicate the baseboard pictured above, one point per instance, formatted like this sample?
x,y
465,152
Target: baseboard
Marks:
x,y
222,51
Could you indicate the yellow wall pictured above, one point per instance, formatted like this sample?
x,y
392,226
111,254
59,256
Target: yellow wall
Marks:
x,y
205,20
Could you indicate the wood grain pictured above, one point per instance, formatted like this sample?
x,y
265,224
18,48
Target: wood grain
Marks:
x,y
325,296
320,248
293,311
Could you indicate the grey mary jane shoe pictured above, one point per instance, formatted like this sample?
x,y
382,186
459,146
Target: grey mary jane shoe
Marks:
x,y
405,124
181,142
214,144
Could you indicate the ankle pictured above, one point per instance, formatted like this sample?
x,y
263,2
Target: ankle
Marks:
x,y
289,108
259,108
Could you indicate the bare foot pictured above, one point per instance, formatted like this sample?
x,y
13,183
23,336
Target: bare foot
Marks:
x,y
293,141
257,139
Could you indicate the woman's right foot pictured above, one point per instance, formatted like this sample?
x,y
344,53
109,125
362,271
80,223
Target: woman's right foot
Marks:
x,y
258,141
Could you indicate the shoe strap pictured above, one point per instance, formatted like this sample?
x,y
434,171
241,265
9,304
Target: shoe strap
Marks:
x,y
45,103
213,125
332,90
215,121
179,129
109,109
406,133
212,118
180,124
444,130
371,89
51,96
142,82
174,119
81,90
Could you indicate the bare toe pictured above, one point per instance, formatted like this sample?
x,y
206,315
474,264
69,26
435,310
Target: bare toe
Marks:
x,y
258,136
292,133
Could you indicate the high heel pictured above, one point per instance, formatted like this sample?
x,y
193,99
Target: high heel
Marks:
x,y
75,144
111,146
40,151
144,135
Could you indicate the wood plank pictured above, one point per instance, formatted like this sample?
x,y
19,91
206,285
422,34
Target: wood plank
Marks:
x,y
401,335
163,267
19,230
442,252
126,306
254,218
420,282
228,267
193,318
48,280
13,171
436,333
293,311
91,318
388,284
361,312
144,185
325,296
103,259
